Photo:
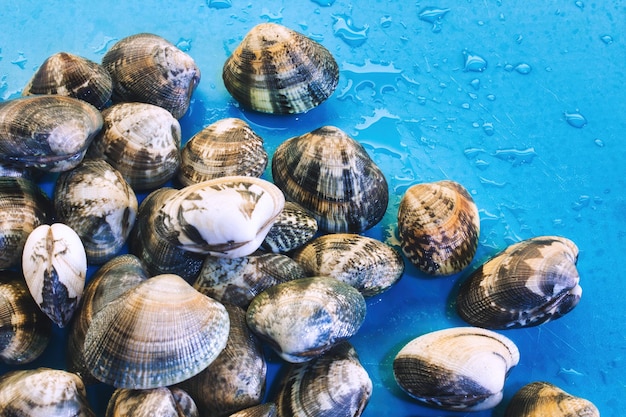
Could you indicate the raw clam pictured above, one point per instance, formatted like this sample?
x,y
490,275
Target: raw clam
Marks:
x,y
149,69
161,402
460,368
439,225
529,283
332,176
540,399
278,70
293,227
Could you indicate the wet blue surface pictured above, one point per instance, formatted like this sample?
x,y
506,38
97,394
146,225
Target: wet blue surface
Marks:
x,y
522,104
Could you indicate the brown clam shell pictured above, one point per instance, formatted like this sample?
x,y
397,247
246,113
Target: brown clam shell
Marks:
x,y
542,399
161,402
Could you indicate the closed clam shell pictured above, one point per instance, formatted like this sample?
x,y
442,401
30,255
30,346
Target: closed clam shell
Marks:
x,y
293,227
224,148
149,69
460,368
278,70
367,264
529,283
162,402
99,205
331,175
24,330
303,318
331,385
439,226
539,399
262,410
158,333
49,132
54,264
71,75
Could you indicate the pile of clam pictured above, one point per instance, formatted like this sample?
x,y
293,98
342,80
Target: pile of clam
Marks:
x,y
222,263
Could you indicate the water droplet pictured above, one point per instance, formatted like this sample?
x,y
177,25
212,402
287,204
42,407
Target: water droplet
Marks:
x,y
379,77
509,67
583,201
523,68
488,128
519,39
184,44
599,143
272,17
465,106
575,119
348,32
580,4
379,114
385,21
104,46
475,83
492,182
516,156
20,61
433,15
474,63
491,97
324,3
501,17
219,4
607,39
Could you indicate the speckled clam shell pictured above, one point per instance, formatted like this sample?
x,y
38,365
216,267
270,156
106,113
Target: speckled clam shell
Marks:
x,y
529,283
331,175
162,402
71,75
278,70
439,226
142,141
293,227
149,69
24,330
459,369
331,385
367,264
303,318
262,410
123,349
99,205
540,399
224,148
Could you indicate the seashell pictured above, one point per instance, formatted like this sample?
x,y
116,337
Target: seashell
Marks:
x,y
367,264
96,201
162,402
331,385
261,410
225,148
43,392
141,141
439,225
23,207
239,280
539,399
332,176
55,267
529,283
8,169
460,368
24,330
277,70
303,318
149,69
293,227
124,349
71,75
51,133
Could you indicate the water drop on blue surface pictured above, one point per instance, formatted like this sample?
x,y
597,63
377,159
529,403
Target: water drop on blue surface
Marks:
x,y
491,97
272,17
184,44
488,128
385,21
345,29
516,156
433,15
575,119
523,68
219,4
607,39
580,4
475,83
599,143
519,39
474,63
324,3
20,61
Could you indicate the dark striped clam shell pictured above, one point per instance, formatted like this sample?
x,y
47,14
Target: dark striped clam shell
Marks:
x,y
293,227
267,409
541,399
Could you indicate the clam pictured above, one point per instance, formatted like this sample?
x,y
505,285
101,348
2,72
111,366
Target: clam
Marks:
x,y
303,318
162,402
99,205
331,176
293,227
439,225
529,283
55,268
367,264
539,399
147,68
142,141
278,70
24,330
50,132
71,75
460,368
225,148
261,410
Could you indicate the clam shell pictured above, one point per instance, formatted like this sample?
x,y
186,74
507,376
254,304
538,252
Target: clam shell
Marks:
x,y
293,227
303,318
261,410
332,176
49,132
539,399
71,75
529,283
162,402
439,225
55,267
149,69
225,148
277,70
460,368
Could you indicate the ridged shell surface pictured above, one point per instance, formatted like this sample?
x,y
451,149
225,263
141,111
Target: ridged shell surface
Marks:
x,y
529,283
262,410
439,226
293,227
541,399
278,70
331,175
161,402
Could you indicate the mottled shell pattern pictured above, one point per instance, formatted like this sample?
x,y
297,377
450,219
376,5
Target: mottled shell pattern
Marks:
x,y
146,68
331,175
529,283
460,368
293,227
278,70
439,226
267,409
162,402
540,399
